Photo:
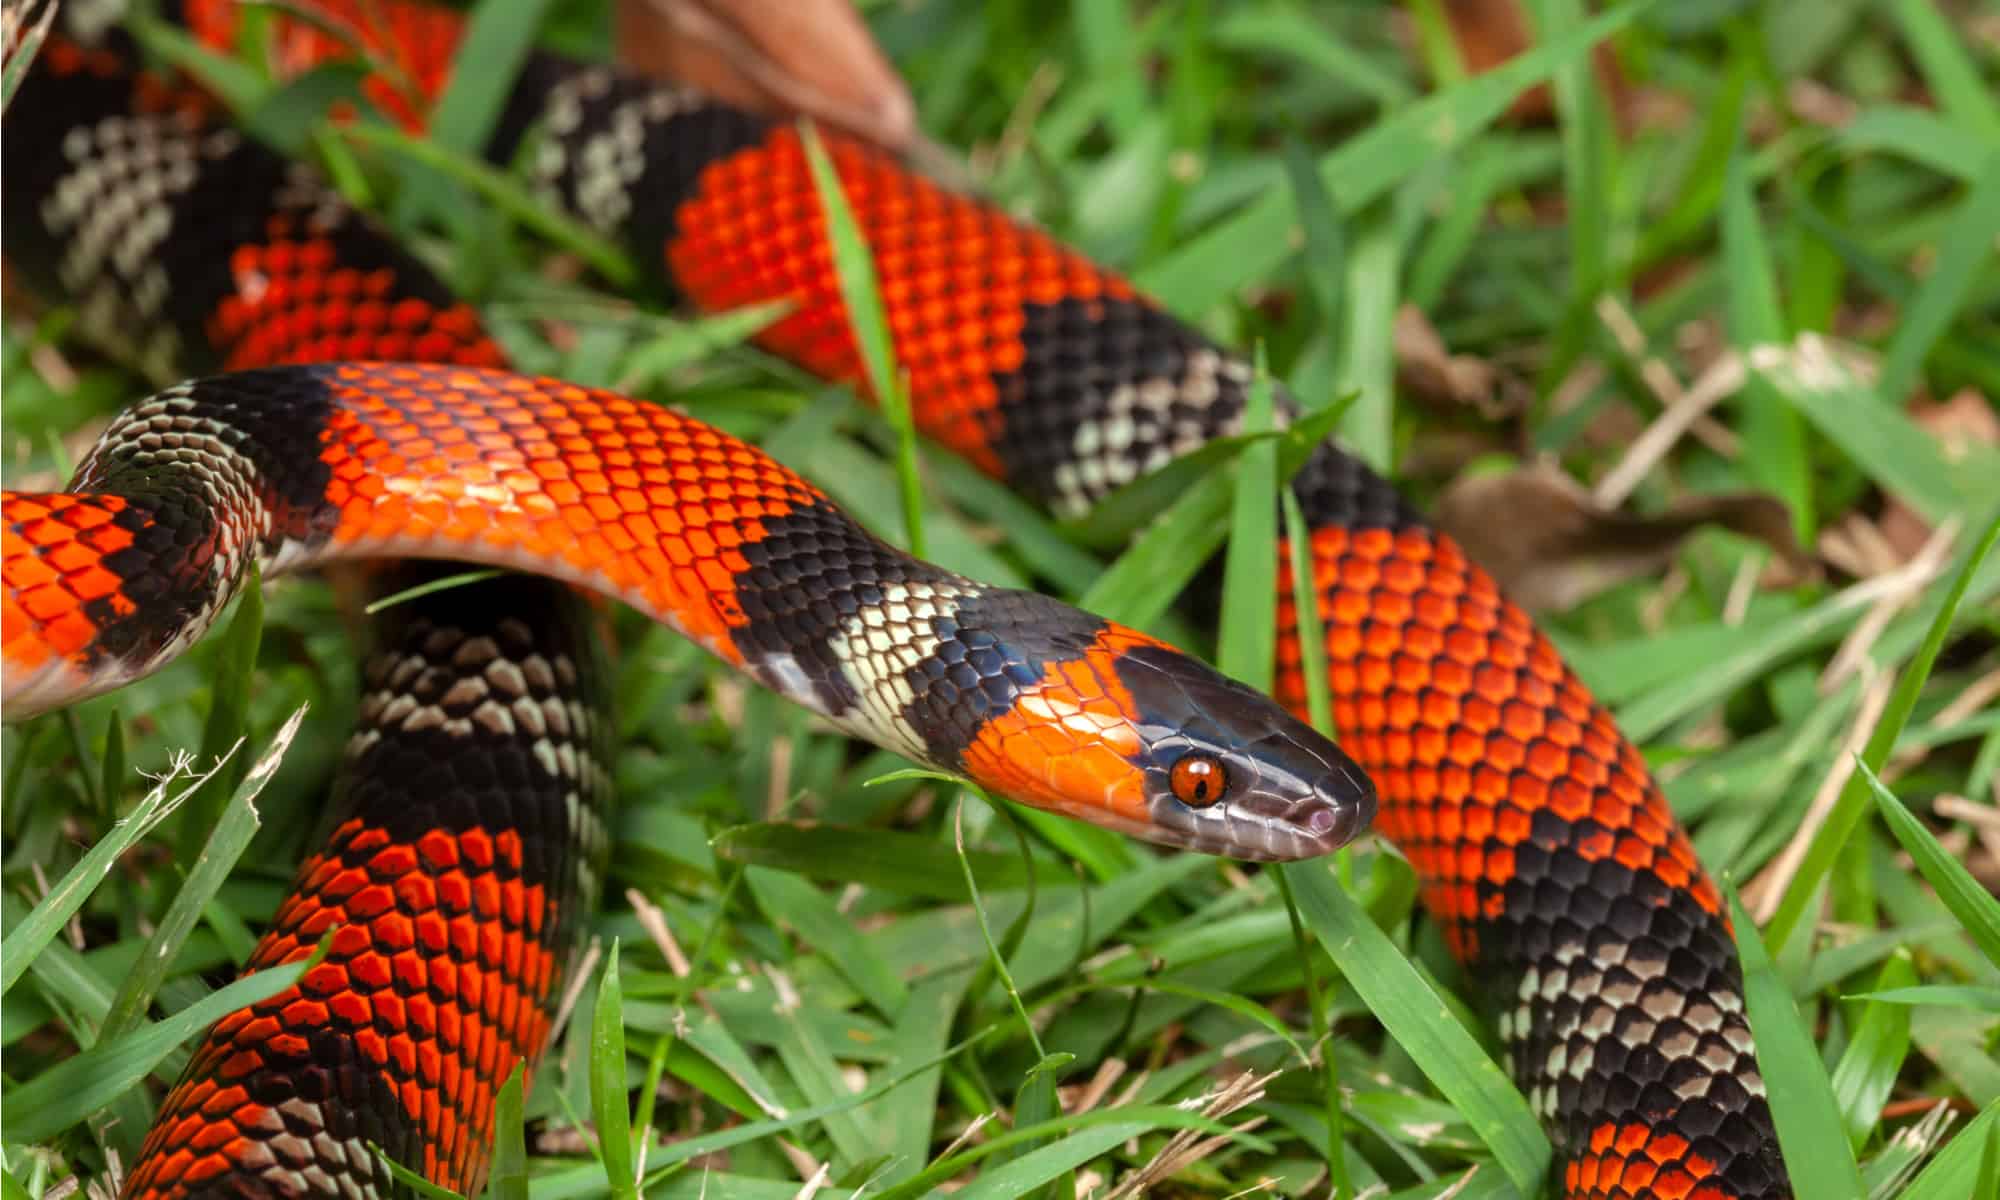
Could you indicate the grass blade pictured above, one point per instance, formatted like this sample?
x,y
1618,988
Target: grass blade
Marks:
x,y
1404,1001
1367,369
868,323
1956,1170
73,1089
906,863
1311,630
1802,1102
509,196
1776,460
1953,77
1852,805
239,823
789,899
609,1110
1964,251
22,53
1255,241
41,924
228,720
1976,909
1867,1069
507,1178
1247,646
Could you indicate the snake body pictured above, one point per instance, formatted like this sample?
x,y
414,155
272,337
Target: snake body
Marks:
x,y
1547,853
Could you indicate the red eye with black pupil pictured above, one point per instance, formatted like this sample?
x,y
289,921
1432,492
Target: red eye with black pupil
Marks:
x,y
1199,780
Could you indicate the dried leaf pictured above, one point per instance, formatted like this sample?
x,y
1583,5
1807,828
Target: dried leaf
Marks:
x,y
787,57
1489,32
1427,369
1552,547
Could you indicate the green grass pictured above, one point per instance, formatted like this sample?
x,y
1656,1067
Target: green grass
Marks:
x,y
861,996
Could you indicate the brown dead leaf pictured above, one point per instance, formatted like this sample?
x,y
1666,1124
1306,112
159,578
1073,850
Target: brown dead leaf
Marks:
x,y
1961,424
1551,546
1427,369
813,58
1489,32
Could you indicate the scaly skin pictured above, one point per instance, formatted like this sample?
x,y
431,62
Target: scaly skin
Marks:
x,y
1547,852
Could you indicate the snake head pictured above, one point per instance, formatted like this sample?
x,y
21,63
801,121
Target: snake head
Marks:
x,y
1228,771
1126,732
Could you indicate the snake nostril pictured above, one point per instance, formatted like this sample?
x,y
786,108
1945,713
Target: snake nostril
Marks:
x,y
1321,822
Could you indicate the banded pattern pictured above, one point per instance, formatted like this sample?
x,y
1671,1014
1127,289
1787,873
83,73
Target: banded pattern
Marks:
x,y
468,841
207,476
300,466
466,849
1547,852
155,218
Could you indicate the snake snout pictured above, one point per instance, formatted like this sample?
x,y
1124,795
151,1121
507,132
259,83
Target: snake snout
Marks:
x,y
1231,772
1312,801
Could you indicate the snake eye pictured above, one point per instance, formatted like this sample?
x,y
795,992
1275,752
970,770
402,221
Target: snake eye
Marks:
x,y
1198,780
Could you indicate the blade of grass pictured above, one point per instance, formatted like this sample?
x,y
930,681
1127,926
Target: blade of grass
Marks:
x,y
499,34
1775,449
1326,241
906,1117
1095,1133
1417,1017
510,197
1866,1072
810,1063
868,324
1311,631
111,783
1117,518
35,29
1983,999
239,823
1918,135
1956,1170
905,863
1803,1107
228,720
1852,805
1975,907
1954,78
687,342
1303,35
1585,131
1367,369
1044,1062
1329,1071
790,899
609,1110
412,1180
239,86
507,1178
1144,581
73,1089
42,923
672,1155
1248,1009
1255,241
1963,252
1247,645
443,583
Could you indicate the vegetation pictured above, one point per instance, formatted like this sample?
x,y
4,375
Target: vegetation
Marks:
x,y
1789,210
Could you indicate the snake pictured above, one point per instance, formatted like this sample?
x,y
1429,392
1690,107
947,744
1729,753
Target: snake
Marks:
x,y
363,411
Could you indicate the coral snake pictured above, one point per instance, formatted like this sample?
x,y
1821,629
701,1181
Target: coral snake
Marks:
x,y
364,413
